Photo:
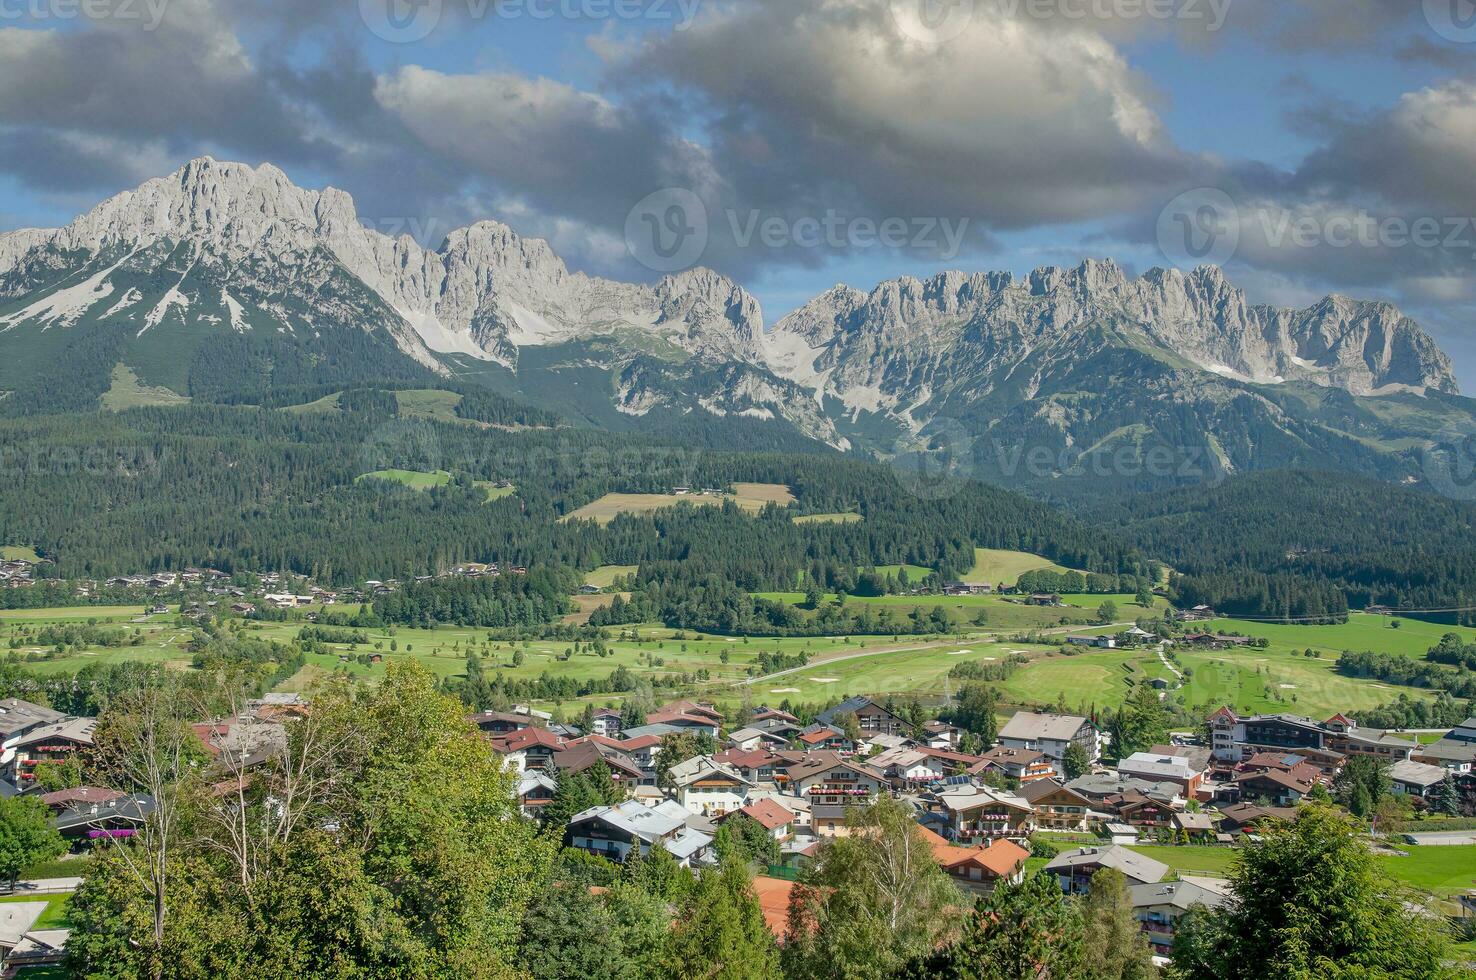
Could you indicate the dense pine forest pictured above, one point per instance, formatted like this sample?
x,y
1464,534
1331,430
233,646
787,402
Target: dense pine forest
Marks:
x,y
259,488
1302,544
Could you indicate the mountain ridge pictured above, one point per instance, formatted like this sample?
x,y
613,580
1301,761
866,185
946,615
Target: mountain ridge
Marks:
x,y
223,256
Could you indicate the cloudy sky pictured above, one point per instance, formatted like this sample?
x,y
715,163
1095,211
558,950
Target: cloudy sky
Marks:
x,y
1310,146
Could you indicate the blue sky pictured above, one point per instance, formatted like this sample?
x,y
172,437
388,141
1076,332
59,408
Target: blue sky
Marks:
x,y
1046,130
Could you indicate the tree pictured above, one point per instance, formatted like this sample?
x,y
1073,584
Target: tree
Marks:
x,y
874,899
676,748
1361,785
26,836
1446,798
1144,597
1106,612
1112,932
1074,761
743,838
1310,901
720,933
977,711
1024,931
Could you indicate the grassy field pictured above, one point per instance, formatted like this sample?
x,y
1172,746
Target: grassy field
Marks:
x,y
999,612
74,614
328,403
999,567
753,496
605,576
829,519
750,496
428,404
910,666
414,479
127,392
1443,871
495,492
1250,681
1361,632
1191,860
13,552
612,505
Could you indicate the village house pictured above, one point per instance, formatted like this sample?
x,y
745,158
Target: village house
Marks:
x,y
1057,807
51,743
581,756
1163,769
500,722
605,721
769,814
754,738
1160,905
1412,778
528,748
1456,750
871,718
1050,734
708,788
1023,765
941,735
833,786
613,831
824,738
755,765
981,812
643,749
535,791
690,716
978,869
1235,739
1074,869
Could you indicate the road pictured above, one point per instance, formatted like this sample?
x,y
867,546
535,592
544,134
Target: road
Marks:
x,y
1444,838
914,646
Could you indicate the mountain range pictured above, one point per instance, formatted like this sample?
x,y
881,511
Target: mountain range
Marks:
x,y
228,283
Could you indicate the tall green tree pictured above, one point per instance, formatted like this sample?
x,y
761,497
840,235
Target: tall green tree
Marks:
x,y
720,933
1112,932
1074,761
1024,931
26,836
1310,902
976,710
874,899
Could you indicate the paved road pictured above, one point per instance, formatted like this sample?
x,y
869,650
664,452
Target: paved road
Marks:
x,y
46,886
914,646
1446,838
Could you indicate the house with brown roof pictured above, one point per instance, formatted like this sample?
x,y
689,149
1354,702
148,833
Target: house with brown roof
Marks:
x,y
981,812
979,868
825,737
530,748
693,716
1056,806
707,787
768,813
1024,765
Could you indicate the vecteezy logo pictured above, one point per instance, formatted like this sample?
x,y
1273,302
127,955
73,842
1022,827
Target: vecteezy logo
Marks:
x,y
931,464
933,21
1449,462
1454,20
667,231
400,21
1199,227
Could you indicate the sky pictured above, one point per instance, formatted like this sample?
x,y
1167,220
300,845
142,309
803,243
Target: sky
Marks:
x,y
1309,146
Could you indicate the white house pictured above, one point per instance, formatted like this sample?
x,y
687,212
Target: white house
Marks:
x,y
709,788
1050,734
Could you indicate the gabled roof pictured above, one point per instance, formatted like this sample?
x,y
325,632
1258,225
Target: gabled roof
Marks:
x,y
1182,895
649,823
769,814
527,738
1002,858
747,758
703,767
578,758
1041,788
962,799
820,735
639,742
849,707
1135,866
